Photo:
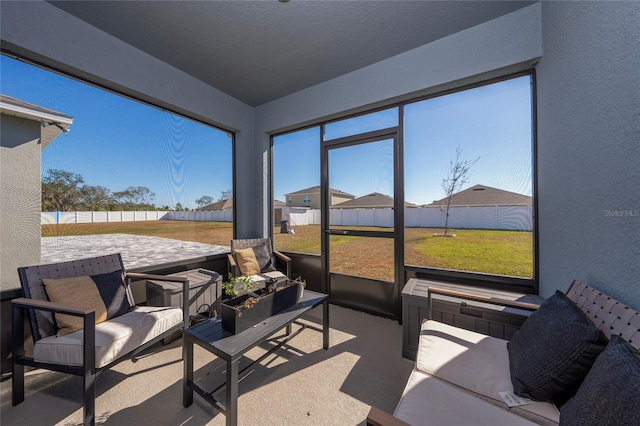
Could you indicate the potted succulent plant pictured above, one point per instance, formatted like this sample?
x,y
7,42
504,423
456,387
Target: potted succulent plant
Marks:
x,y
237,286
257,304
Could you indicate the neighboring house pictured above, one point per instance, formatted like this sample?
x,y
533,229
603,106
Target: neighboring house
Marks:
x,y
218,205
374,200
482,195
25,130
228,205
310,197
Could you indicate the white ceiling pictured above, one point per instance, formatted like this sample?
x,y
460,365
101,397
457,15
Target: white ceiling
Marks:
x,y
258,51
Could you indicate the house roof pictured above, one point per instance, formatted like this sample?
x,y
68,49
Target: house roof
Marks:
x,y
375,200
316,190
219,205
482,195
53,123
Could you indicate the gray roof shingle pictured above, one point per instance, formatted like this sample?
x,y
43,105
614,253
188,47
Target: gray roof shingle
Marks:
x,y
482,195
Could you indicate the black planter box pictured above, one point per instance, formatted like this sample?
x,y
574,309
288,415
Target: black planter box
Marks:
x,y
237,318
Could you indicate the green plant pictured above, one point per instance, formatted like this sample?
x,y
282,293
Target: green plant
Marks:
x,y
235,286
300,281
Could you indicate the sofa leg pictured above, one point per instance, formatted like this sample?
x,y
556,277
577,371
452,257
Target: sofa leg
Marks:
x,y
17,351
17,383
89,369
89,399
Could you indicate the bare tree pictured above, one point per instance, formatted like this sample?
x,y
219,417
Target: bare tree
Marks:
x,y
225,195
455,180
205,200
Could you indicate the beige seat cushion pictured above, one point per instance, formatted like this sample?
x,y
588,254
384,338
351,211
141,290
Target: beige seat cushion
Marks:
x,y
427,400
247,262
75,291
475,362
114,337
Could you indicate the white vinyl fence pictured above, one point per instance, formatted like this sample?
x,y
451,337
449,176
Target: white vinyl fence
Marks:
x,y
514,218
210,216
54,218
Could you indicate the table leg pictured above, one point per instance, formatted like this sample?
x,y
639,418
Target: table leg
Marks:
x,y
232,393
325,324
187,357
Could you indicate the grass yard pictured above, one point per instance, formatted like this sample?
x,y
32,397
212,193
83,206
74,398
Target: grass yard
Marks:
x,y
486,251
219,233
477,250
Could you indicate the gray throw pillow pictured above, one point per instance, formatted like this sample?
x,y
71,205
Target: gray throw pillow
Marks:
x,y
553,351
263,256
610,394
113,292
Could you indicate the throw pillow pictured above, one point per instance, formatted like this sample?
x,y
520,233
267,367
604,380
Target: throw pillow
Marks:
x,y
263,256
553,351
113,292
76,291
610,393
247,262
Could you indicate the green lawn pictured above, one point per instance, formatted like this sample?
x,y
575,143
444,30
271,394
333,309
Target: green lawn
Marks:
x,y
485,251
219,233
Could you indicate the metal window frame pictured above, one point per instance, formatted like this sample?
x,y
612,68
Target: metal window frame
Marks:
x,y
468,277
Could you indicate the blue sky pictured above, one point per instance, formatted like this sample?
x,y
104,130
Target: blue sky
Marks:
x,y
489,123
116,142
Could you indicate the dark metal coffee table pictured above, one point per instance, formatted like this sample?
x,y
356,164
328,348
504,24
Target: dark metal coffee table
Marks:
x,y
229,347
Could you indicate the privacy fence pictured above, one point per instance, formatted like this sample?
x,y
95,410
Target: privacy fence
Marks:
x,y
132,216
515,218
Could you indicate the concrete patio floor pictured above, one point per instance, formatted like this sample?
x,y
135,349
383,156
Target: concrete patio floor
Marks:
x,y
299,384
138,251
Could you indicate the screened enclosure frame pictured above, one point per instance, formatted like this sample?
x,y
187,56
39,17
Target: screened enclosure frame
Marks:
x,y
521,284
84,80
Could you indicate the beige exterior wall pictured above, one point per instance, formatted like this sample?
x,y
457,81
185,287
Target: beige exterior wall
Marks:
x,y
298,200
336,199
20,199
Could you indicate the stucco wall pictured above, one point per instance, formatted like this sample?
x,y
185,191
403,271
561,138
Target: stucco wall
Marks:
x,y
19,197
589,147
298,201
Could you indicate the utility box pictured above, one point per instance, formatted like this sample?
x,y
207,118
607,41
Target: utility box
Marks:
x,y
205,292
484,318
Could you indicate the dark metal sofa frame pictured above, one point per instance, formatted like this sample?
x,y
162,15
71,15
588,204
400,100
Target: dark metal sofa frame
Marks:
x,y
40,310
279,258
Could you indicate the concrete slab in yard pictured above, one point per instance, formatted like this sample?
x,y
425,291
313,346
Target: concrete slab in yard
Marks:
x,y
138,251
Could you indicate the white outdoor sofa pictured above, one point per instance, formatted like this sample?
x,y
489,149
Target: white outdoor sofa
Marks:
x,y
458,373
95,344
